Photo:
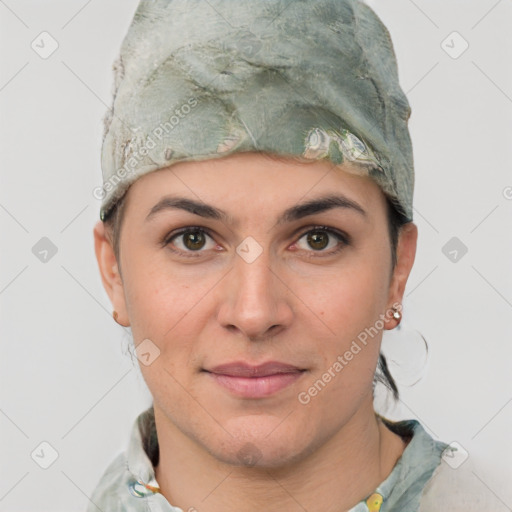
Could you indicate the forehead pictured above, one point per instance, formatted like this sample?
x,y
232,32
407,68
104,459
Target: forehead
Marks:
x,y
250,181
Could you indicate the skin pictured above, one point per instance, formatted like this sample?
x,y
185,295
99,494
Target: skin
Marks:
x,y
202,311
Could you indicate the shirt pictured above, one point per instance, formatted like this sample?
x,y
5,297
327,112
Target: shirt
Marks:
x,y
420,481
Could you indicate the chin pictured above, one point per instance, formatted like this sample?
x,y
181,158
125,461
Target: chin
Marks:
x,y
251,454
260,442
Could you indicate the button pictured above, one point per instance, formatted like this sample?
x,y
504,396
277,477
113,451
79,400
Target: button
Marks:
x,y
138,489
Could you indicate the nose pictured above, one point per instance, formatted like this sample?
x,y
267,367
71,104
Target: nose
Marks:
x,y
255,301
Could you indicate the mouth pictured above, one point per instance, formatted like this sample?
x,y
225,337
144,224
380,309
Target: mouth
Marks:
x,y
249,381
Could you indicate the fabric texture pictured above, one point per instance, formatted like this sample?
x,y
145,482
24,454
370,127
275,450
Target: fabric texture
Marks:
x,y
309,79
459,490
129,484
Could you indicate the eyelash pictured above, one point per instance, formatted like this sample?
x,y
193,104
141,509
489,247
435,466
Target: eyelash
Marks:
x,y
341,237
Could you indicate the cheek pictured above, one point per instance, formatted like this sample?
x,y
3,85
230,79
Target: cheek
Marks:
x,y
169,305
351,299
350,307
157,294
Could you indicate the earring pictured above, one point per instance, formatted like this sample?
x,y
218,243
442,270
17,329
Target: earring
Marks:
x,y
115,315
405,348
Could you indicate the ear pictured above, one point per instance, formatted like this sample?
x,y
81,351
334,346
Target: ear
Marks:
x,y
406,252
109,271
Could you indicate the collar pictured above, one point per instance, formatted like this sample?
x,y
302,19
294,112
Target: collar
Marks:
x,y
400,491
142,455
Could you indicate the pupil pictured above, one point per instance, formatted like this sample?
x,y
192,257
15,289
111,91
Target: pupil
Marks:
x,y
195,238
318,239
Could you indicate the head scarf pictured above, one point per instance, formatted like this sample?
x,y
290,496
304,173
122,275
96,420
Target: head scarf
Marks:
x,y
201,79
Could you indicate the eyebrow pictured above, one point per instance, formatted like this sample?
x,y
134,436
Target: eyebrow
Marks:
x,y
297,212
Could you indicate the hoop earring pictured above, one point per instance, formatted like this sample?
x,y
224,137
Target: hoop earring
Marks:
x,y
406,351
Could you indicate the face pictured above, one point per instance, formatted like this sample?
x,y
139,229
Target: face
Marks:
x,y
266,280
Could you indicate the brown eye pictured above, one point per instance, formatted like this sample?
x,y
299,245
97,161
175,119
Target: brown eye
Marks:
x,y
320,239
189,240
194,240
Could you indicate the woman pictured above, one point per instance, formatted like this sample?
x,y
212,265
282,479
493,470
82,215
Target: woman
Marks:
x,y
256,234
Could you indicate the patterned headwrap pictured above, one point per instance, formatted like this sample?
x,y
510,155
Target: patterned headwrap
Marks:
x,y
201,79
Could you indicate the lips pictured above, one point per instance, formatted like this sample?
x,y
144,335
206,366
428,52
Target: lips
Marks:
x,y
241,369
255,382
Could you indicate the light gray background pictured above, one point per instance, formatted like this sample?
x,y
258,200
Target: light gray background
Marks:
x,y
66,375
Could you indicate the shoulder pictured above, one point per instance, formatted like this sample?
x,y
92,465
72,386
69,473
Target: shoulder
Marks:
x,y
433,476
106,493
456,490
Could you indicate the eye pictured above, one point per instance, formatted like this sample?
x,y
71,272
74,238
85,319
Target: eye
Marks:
x,y
193,239
322,237
189,240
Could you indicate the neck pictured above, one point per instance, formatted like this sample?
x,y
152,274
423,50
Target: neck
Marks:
x,y
335,477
